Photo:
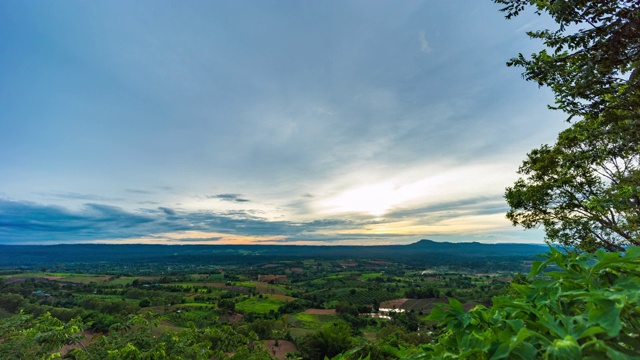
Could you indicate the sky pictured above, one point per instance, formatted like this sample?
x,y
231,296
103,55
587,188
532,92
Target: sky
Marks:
x,y
270,122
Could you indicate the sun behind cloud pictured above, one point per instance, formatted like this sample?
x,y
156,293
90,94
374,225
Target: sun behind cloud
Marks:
x,y
374,199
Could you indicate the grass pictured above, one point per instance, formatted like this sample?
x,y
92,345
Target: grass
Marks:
x,y
300,332
126,280
266,288
5,314
334,277
197,305
84,279
370,276
262,306
158,330
123,280
37,274
109,297
280,297
312,321
197,285
318,282
280,289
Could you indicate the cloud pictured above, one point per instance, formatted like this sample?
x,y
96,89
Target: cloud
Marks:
x,y
481,205
200,240
138,191
23,222
526,26
167,211
424,45
229,197
26,221
79,196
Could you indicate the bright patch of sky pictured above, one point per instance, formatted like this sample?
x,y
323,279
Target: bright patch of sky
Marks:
x,y
324,122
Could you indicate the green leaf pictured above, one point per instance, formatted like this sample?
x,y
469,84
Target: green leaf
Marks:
x,y
455,304
502,352
523,334
614,354
607,314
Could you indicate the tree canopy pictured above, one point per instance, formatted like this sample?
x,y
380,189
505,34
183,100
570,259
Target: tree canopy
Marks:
x,y
591,61
585,189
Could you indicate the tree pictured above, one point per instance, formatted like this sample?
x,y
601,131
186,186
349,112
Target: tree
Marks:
x,y
592,58
328,341
144,303
585,189
227,304
11,302
24,337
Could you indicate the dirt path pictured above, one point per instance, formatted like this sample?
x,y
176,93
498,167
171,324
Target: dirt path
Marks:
x,y
281,350
393,304
320,311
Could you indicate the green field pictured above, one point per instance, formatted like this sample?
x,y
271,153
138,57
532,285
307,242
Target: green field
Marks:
x,y
312,321
248,284
258,305
197,305
109,297
370,276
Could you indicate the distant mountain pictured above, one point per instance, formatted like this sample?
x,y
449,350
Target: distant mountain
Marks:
x,y
477,249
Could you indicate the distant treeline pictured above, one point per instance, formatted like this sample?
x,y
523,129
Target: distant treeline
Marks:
x,y
422,253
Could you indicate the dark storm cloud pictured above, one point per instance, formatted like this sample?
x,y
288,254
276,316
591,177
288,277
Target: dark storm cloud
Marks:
x,y
26,221
357,239
229,197
167,210
245,223
207,240
22,221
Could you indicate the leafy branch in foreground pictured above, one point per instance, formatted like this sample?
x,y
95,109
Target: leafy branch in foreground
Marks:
x,y
586,306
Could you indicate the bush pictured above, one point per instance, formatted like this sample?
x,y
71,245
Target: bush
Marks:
x,y
588,309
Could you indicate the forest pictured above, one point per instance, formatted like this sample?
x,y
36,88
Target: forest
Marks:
x,y
244,309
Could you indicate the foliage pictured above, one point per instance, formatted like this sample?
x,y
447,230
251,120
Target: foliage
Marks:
x,y
592,58
227,304
417,293
329,341
24,337
588,309
11,302
585,189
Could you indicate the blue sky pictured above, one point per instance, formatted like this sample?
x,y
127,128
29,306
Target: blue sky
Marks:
x,y
298,122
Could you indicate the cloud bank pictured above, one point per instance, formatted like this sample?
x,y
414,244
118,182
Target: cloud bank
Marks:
x,y
223,122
